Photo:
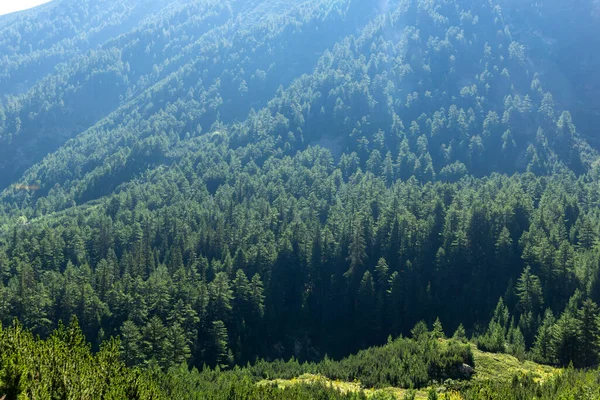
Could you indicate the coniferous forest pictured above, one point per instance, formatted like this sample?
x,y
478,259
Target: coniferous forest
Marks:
x,y
207,199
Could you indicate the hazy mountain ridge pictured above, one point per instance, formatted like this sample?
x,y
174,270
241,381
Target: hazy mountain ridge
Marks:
x,y
190,77
426,95
135,68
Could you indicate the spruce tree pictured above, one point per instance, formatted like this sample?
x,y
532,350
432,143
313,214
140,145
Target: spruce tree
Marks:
x,y
542,347
529,292
154,341
177,348
438,330
589,333
565,339
218,353
130,343
365,310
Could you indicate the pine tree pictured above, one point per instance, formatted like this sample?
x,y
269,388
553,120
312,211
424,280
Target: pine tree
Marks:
x,y
565,339
501,315
357,250
257,297
177,348
504,254
564,271
382,275
221,297
494,340
420,330
388,169
381,289
374,163
154,337
528,325
529,292
241,295
130,343
586,236
438,330
589,333
460,334
219,350
184,315
542,347
516,343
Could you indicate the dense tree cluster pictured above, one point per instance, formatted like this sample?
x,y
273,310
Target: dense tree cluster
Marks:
x,y
572,338
322,263
63,367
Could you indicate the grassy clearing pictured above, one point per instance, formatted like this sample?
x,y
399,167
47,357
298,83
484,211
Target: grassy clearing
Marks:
x,y
348,387
344,387
488,366
504,367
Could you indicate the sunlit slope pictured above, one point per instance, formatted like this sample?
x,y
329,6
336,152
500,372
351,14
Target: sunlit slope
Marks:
x,y
434,91
162,86
488,367
219,58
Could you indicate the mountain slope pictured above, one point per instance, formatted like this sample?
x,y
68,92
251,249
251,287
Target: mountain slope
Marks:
x,y
428,90
190,50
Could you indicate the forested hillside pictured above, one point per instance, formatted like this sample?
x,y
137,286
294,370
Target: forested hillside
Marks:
x,y
218,182
203,58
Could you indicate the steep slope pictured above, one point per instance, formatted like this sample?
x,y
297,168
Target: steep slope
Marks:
x,y
559,37
35,41
442,91
84,77
215,53
445,89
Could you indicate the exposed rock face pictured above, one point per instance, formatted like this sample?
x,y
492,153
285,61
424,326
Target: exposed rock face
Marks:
x,y
466,370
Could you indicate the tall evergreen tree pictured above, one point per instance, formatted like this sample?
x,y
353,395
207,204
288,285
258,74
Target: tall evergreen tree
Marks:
x,y
218,352
565,339
542,348
131,339
154,341
365,309
589,333
529,292
177,348
221,296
